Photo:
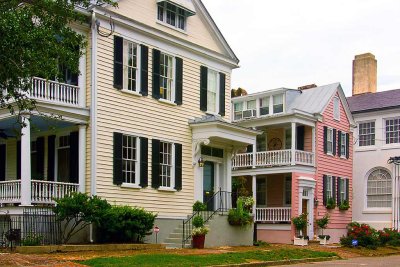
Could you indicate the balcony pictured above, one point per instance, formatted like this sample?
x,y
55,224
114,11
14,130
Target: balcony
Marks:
x,y
273,158
273,215
42,192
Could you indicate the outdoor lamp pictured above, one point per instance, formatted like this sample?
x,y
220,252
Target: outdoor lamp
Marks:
x,y
316,202
201,162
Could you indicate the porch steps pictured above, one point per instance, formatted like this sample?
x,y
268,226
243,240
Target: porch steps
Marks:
x,y
174,240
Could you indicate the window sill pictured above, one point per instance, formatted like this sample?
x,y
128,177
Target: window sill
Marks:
x,y
343,157
133,186
377,211
212,113
365,148
162,23
390,146
168,102
166,189
329,154
126,91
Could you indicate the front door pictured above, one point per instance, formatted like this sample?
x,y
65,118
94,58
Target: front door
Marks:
x,y
208,184
305,210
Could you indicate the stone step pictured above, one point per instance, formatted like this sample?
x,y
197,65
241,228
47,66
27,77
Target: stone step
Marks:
x,y
176,246
175,235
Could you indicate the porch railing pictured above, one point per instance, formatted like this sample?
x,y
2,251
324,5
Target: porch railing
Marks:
x,y
273,158
42,192
281,214
54,91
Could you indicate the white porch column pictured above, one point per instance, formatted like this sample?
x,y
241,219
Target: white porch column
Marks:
x,y
311,213
254,188
313,144
82,157
293,148
25,161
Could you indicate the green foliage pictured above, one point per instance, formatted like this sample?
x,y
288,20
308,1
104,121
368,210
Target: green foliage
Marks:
x,y
260,243
239,186
199,206
124,224
248,202
300,222
198,221
35,41
344,205
323,222
389,237
239,215
200,231
78,210
365,235
330,203
32,240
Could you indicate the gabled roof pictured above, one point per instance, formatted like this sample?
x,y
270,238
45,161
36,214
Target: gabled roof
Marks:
x,y
374,101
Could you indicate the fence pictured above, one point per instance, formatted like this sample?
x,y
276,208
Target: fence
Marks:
x,y
33,227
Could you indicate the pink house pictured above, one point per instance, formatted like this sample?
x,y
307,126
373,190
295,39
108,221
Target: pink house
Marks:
x,y
302,161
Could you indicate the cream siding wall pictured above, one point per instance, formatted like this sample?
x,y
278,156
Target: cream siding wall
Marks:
x,y
145,11
88,104
144,116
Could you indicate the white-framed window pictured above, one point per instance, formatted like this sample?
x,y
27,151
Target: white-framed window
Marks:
x,y
166,165
212,91
343,189
379,189
288,191
131,78
264,105
238,110
343,144
277,103
130,159
167,91
329,189
329,141
261,192
336,108
172,15
366,133
392,130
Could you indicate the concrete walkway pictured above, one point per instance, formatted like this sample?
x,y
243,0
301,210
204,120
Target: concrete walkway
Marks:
x,y
387,261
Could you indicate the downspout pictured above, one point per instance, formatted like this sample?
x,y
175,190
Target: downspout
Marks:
x,y
93,108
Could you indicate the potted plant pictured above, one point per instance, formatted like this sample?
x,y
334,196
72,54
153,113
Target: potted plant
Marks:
x,y
344,205
239,215
199,206
199,232
330,203
300,224
322,224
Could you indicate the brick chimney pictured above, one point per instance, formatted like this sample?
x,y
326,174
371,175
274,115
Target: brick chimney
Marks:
x,y
364,74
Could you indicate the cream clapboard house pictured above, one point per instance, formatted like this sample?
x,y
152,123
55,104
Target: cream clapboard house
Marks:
x,y
152,98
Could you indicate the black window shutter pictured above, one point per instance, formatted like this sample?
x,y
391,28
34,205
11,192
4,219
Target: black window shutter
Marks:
x,y
334,188
51,149
155,163
18,160
300,137
178,167
144,148
347,190
2,162
339,181
334,142
144,70
74,157
339,149
118,61
117,167
156,74
178,80
40,158
203,88
325,139
347,145
221,94
324,196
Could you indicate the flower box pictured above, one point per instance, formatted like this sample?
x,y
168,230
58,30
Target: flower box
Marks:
x,y
300,241
323,241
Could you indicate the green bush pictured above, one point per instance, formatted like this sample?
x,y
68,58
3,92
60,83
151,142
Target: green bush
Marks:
x,y
389,236
300,222
122,224
344,205
198,221
199,206
239,216
365,235
32,240
330,203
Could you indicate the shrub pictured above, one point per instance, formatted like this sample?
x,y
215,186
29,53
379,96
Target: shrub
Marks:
x,y
198,221
248,202
300,222
239,216
32,240
344,205
199,206
323,222
363,233
124,224
200,231
330,203
389,236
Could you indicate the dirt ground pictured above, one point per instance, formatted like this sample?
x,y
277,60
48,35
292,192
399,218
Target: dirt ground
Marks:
x,y
8,258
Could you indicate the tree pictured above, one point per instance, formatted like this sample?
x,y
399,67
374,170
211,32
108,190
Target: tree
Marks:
x,y
35,40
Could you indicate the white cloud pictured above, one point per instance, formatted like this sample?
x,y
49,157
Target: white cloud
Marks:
x,y
289,43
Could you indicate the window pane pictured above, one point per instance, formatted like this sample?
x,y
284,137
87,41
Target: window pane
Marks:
x,y
166,76
251,104
165,163
129,161
392,130
212,86
379,189
264,106
278,103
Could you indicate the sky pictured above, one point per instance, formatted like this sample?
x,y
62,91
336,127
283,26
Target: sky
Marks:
x,y
290,43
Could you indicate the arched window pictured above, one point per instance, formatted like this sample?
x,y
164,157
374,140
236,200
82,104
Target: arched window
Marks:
x,y
379,189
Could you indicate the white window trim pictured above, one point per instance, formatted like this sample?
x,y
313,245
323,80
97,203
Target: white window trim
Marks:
x,y
329,179
327,143
358,133
336,116
343,181
164,21
376,210
217,96
343,153
266,193
271,101
384,132
138,67
173,93
137,164
285,178
172,182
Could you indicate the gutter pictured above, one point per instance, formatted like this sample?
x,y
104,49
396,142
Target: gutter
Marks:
x,y
93,107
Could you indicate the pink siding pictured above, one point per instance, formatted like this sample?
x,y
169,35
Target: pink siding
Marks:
x,y
275,236
333,165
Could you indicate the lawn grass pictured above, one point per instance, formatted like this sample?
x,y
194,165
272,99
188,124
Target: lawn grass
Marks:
x,y
208,259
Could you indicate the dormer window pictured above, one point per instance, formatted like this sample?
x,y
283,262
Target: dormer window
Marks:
x,y
173,13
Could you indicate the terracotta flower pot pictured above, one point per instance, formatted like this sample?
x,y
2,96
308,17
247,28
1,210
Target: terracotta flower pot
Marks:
x,y
198,241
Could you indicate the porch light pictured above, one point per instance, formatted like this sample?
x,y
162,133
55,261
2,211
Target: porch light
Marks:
x,y
316,201
201,162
